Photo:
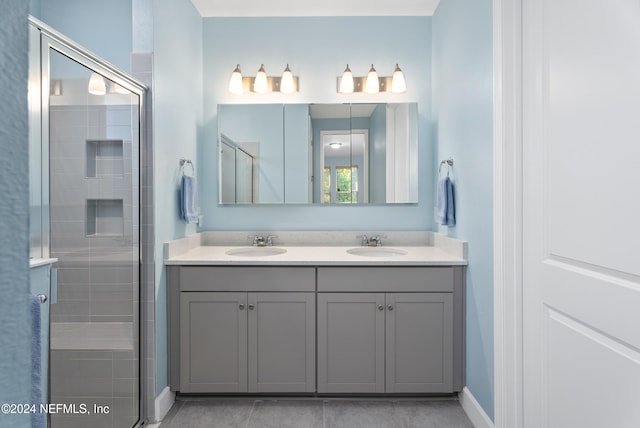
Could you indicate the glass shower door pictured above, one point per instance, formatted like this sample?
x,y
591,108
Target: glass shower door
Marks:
x,y
93,150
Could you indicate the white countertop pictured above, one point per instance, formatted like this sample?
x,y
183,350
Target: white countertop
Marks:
x,y
316,256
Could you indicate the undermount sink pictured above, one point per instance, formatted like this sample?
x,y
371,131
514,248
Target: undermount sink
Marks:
x,y
256,251
376,251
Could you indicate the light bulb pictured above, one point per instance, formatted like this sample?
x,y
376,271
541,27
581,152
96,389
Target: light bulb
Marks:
x,y
114,88
398,84
346,83
373,84
260,83
235,83
97,85
286,82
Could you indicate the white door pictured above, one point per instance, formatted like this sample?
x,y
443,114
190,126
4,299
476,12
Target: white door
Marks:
x,y
581,223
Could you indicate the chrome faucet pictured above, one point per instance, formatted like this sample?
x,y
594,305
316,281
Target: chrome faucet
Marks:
x,y
375,241
365,240
261,241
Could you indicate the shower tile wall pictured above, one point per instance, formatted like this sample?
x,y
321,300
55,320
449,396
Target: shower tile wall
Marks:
x,y
92,207
102,378
94,194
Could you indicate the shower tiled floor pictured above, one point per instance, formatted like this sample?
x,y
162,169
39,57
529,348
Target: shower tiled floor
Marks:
x,y
338,413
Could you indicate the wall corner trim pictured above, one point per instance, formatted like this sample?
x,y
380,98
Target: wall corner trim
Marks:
x,y
474,411
164,401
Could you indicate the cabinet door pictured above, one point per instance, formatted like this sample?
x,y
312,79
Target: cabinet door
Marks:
x,y
213,340
281,342
351,342
419,342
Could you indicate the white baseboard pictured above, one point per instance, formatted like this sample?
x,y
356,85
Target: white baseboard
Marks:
x,y
164,401
474,411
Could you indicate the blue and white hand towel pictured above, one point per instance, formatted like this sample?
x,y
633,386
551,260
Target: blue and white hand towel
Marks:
x,y
189,199
445,210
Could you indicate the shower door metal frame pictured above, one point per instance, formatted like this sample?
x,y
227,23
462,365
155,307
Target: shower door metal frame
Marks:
x,y
52,39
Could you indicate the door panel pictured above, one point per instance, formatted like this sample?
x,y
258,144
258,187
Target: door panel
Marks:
x,y
419,342
213,342
282,342
581,282
351,342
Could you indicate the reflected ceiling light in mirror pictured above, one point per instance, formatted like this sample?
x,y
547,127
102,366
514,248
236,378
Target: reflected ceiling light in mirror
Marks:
x,y
260,83
373,83
346,82
235,83
97,85
114,88
287,85
335,145
398,84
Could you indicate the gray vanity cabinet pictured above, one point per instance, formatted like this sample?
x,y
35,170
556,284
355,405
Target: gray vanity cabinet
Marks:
x,y
419,342
351,342
213,346
282,339
247,342
371,341
358,330
242,341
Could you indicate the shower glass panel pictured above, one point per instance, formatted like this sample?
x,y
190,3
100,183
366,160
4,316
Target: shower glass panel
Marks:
x,y
94,233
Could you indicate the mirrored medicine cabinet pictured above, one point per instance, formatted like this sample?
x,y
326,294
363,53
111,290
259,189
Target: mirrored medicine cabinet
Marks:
x,y
318,153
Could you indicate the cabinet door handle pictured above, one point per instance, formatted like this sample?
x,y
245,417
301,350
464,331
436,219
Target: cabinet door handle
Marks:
x,y
242,306
251,306
390,307
381,307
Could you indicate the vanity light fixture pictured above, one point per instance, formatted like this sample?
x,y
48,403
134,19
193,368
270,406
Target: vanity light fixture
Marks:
x,y
97,85
287,83
372,83
398,84
235,83
346,83
114,88
260,83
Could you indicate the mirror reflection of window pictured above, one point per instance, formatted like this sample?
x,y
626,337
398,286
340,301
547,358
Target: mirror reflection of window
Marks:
x,y
347,184
326,195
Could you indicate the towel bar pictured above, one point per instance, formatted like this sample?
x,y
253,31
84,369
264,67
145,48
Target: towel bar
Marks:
x,y
185,161
449,163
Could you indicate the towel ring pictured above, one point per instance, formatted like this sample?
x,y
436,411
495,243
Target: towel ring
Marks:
x,y
183,162
449,163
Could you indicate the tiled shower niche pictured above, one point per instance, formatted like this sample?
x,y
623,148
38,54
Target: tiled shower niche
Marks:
x,y
104,158
104,217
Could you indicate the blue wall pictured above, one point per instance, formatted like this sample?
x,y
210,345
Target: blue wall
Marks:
x,y
317,50
15,364
462,129
177,129
104,27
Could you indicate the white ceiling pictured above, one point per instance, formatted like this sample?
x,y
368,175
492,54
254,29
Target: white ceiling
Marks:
x,y
228,8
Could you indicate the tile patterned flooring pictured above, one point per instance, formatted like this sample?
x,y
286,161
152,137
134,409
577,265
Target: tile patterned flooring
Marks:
x,y
328,413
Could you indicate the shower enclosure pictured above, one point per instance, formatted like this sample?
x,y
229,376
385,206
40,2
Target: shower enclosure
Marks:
x,y
86,213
